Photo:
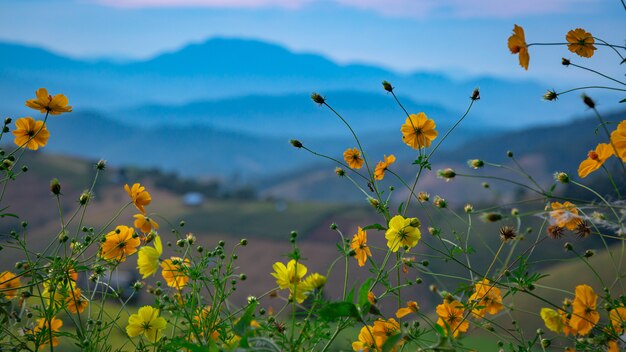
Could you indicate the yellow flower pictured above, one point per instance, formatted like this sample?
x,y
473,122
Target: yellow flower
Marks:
x,y
584,314
175,272
47,103
411,307
381,167
76,303
612,346
9,284
139,196
359,245
580,42
353,158
487,298
55,296
30,133
286,276
618,319
148,258
517,45
48,328
119,244
418,131
401,232
200,322
144,223
451,316
366,340
384,329
552,319
313,282
595,159
146,322
618,138
565,215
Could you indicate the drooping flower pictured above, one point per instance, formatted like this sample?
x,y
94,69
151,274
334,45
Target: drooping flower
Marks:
x,y
30,133
418,131
402,232
383,329
411,307
119,244
175,272
76,303
584,313
139,196
353,158
565,215
359,245
47,330
451,316
580,42
145,223
618,319
47,103
595,159
366,341
487,298
381,167
148,258
9,284
147,322
517,45
618,138
552,319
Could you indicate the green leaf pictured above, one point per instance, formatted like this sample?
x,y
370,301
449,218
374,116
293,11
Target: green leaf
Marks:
x,y
375,227
243,325
391,342
333,311
400,208
364,290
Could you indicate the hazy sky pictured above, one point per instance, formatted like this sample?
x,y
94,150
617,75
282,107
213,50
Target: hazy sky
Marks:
x,y
455,36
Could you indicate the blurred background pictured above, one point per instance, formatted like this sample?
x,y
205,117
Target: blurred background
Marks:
x,y
198,100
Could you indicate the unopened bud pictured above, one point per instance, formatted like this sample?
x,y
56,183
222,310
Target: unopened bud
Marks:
x,y
318,98
550,95
296,143
588,101
55,187
475,94
387,86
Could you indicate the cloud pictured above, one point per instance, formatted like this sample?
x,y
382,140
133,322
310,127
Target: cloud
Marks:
x,y
392,8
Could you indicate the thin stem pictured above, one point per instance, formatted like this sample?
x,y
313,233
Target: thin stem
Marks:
x,y
598,73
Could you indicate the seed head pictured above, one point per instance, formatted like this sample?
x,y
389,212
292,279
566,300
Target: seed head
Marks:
x,y
555,232
507,233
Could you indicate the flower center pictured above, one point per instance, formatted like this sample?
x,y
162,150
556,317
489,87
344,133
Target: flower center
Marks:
x,y
593,155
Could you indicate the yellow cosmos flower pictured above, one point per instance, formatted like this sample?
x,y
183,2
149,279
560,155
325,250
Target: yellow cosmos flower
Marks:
x,y
353,158
286,276
9,284
144,223
384,329
148,258
552,319
618,319
451,316
139,196
47,103
584,314
565,215
411,307
381,167
30,133
75,302
418,131
175,272
365,341
313,282
119,244
580,42
359,245
47,331
517,45
402,232
618,138
487,298
55,296
595,159
146,322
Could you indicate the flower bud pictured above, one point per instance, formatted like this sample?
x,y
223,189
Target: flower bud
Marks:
x,y
476,163
468,208
448,174
100,165
387,86
475,94
491,217
565,62
588,101
550,95
340,172
317,98
561,177
55,187
296,143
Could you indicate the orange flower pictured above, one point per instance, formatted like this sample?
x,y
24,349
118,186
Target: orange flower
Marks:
x,y
139,196
76,303
565,215
175,272
595,159
384,329
618,138
411,307
9,283
584,314
580,42
451,316
359,244
418,131
47,103
30,133
119,244
612,346
353,158
382,166
487,298
366,340
517,45
144,223
618,319
48,329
